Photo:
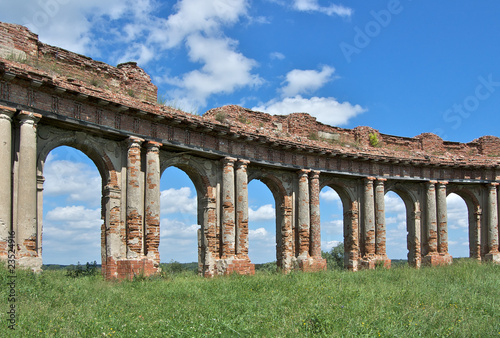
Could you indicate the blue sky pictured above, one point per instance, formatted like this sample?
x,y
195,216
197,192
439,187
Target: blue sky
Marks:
x,y
402,67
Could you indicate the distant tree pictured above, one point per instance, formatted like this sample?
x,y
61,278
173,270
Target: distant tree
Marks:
x,y
334,257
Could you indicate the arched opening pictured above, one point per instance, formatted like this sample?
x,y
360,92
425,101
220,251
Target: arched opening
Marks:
x,y
261,224
179,221
396,228
72,216
332,227
458,226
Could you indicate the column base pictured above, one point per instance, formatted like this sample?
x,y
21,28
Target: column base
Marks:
x,y
437,259
233,265
310,264
128,269
492,257
371,263
32,263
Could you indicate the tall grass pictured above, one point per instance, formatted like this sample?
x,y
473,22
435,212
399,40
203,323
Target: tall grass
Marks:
x,y
461,300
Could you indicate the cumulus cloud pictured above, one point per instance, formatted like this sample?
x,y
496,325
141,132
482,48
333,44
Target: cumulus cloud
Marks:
x,y
328,194
263,213
326,109
75,180
75,217
51,19
262,245
178,201
329,245
224,69
70,234
313,6
178,241
306,81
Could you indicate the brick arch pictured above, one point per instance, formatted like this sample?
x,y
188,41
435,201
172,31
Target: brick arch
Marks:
x,y
195,171
408,193
475,217
104,165
87,146
283,202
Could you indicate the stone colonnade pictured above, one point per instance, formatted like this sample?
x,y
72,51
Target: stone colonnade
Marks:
x,y
131,211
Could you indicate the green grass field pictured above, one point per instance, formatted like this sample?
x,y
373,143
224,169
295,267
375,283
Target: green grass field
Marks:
x,y
462,300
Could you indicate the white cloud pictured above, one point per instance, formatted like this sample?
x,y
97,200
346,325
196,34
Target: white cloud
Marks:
x,y
263,213
78,181
326,109
313,6
329,195
329,245
51,19
306,81
195,16
74,217
277,56
173,228
224,69
178,201
262,245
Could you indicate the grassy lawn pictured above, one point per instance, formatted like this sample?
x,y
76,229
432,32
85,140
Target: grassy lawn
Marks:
x,y
462,300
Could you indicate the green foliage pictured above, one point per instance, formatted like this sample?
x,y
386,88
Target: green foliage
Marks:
x,y
313,136
221,117
456,301
334,258
374,140
90,269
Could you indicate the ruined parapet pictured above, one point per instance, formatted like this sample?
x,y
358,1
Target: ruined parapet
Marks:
x,y
20,45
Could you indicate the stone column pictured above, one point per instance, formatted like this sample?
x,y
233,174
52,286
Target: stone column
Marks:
x,y
228,210
492,223
413,239
315,216
303,214
114,232
351,237
380,228
475,231
442,216
135,202
209,240
152,202
431,218
6,115
26,234
369,219
242,209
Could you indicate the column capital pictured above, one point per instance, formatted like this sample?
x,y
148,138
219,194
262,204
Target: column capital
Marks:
x,y
134,142
314,174
493,185
442,183
369,179
303,172
243,164
381,179
153,145
28,117
6,113
228,161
